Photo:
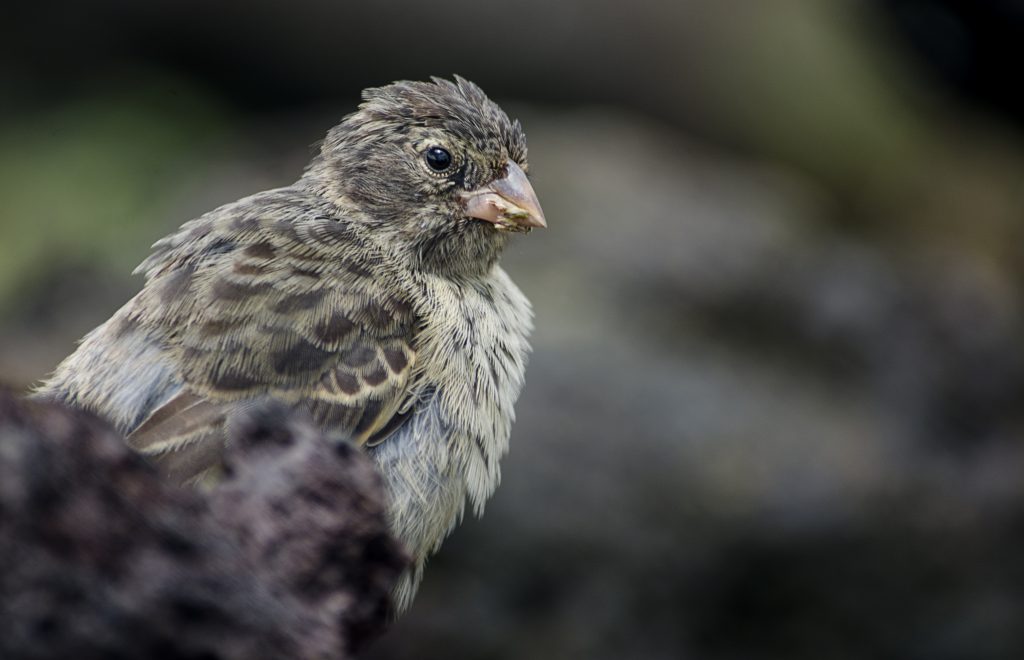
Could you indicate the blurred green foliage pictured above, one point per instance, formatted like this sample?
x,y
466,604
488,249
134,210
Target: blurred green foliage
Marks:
x,y
807,84
87,181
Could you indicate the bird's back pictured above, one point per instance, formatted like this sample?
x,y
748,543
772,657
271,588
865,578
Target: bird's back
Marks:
x,y
274,295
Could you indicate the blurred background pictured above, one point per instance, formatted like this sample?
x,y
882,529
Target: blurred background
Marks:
x,y
776,406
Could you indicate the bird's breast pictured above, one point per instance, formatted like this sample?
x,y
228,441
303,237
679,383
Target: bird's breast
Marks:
x,y
471,357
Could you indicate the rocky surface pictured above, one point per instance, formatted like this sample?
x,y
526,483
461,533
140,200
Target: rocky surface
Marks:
x,y
290,558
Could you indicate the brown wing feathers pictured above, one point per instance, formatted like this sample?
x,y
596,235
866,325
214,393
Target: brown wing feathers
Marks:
x,y
294,311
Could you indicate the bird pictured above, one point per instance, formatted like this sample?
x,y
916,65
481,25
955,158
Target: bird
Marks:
x,y
368,295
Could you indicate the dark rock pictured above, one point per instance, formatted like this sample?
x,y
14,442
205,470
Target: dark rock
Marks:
x,y
290,558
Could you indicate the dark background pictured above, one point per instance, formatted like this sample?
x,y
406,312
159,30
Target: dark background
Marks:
x,y
775,407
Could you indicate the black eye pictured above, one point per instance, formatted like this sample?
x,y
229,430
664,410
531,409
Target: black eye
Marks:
x,y
438,159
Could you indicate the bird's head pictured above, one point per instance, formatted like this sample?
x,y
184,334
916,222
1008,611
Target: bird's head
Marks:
x,y
437,164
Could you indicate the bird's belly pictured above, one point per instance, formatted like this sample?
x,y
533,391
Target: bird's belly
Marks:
x,y
427,492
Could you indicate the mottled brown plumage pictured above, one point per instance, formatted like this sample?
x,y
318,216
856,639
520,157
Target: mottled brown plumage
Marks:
x,y
367,294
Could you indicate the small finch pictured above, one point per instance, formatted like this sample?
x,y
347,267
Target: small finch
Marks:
x,y
366,294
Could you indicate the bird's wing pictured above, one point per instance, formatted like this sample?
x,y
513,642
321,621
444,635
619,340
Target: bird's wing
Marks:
x,y
254,301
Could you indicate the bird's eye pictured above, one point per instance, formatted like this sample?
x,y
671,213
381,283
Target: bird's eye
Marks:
x,y
438,159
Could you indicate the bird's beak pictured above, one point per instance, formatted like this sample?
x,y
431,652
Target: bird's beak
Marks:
x,y
508,202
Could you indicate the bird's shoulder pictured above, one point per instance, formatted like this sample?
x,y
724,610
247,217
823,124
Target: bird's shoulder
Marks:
x,y
269,232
